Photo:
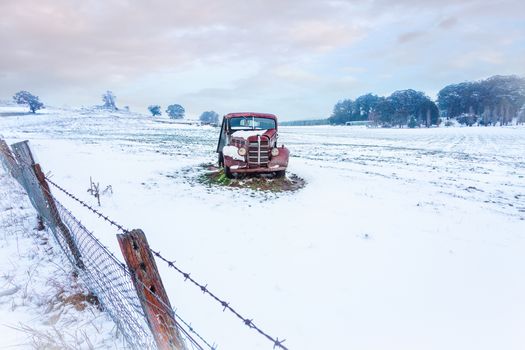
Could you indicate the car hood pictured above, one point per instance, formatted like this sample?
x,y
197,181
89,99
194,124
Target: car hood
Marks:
x,y
245,134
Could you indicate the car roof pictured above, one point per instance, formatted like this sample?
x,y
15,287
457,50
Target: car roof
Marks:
x,y
250,114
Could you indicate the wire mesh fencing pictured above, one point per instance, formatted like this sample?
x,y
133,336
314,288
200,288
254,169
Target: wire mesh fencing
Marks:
x,y
109,279
141,312
277,343
105,276
112,282
7,160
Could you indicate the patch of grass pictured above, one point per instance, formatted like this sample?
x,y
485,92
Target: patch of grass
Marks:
x,y
222,179
80,300
55,338
214,176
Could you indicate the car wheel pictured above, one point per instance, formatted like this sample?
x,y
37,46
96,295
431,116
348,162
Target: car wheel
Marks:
x,y
221,159
280,174
228,172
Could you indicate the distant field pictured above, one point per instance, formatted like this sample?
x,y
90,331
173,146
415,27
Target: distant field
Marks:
x,y
401,239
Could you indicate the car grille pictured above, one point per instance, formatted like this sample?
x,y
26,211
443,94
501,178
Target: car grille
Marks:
x,y
259,151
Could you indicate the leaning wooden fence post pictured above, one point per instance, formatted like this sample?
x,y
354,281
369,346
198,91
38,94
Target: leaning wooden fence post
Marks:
x,y
9,159
147,282
56,216
36,185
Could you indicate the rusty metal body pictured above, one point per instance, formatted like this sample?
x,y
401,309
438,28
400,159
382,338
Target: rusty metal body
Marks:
x,y
254,138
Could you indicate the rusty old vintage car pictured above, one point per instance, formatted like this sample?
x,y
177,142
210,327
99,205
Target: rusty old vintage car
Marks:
x,y
248,144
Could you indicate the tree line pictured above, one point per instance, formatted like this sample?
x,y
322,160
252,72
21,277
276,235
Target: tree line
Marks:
x,y
498,99
174,111
495,100
307,122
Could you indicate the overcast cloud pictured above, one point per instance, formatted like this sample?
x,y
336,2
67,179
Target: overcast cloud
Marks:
x,y
292,58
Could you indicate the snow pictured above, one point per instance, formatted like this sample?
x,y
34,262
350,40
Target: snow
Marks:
x,y
247,133
232,151
401,239
38,287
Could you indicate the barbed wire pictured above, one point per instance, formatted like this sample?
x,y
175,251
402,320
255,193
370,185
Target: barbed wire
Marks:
x,y
173,314
171,263
204,288
87,206
109,277
190,327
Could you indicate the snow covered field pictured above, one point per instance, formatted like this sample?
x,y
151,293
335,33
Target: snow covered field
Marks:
x,y
42,304
401,239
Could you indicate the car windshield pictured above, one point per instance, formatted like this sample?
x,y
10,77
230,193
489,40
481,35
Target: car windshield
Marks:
x,y
251,123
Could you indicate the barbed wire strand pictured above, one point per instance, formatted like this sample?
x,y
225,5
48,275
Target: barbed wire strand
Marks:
x,y
102,274
173,314
171,263
96,212
204,288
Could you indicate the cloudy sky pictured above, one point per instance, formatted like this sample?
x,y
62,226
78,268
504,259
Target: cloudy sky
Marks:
x,y
295,58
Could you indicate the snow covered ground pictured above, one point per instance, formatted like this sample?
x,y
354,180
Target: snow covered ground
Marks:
x,y
42,304
401,239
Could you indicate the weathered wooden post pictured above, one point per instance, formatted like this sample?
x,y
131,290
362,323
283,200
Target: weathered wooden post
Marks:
x,y
147,282
56,216
38,190
8,159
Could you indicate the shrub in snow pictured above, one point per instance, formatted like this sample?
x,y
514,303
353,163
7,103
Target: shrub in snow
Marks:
x,y
94,190
154,110
26,98
175,111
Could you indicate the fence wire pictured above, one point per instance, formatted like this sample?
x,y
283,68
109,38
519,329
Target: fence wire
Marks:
x,y
8,160
104,274
109,280
112,282
185,329
106,277
277,343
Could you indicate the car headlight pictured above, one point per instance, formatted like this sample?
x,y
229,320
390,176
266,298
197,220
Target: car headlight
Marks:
x,y
275,152
242,151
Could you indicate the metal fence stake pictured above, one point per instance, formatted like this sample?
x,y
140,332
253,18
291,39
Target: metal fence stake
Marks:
x,y
147,281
